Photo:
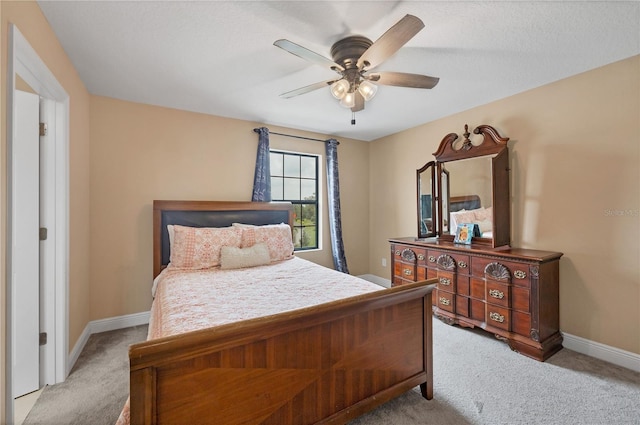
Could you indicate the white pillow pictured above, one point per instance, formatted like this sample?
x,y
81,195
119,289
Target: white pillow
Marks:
x,y
485,226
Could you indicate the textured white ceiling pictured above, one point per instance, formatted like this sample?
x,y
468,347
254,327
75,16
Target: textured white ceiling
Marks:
x,y
217,57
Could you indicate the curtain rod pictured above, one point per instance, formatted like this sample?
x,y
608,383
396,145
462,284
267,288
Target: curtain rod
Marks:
x,y
295,137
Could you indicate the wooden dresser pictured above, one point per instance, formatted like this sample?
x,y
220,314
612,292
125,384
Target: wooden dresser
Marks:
x,y
510,292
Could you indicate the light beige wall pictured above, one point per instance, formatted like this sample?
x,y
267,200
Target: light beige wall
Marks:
x,y
26,15
140,153
575,189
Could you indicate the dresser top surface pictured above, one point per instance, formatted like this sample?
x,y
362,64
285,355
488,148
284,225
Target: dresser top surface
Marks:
x,y
507,252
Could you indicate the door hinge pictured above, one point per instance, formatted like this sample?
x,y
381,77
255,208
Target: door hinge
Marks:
x,y
43,338
43,128
43,233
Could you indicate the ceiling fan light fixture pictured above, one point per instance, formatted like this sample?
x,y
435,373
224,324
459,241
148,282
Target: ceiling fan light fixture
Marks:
x,y
349,100
367,89
340,88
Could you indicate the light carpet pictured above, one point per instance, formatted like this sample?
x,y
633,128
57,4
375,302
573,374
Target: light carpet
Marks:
x,y
477,380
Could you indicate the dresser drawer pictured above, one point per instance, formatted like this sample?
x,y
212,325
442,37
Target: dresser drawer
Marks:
x,y
460,264
421,256
476,288
462,306
400,281
462,285
405,253
518,273
446,281
405,271
421,273
432,256
520,299
477,310
498,317
498,293
445,301
521,323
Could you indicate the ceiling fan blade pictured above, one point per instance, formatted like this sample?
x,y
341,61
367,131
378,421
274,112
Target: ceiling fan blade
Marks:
x,y
390,42
402,79
358,102
304,53
307,89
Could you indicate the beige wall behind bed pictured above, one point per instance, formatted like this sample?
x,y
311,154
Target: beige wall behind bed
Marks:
x,y
140,153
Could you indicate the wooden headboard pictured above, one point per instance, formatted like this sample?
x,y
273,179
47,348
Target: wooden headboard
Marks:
x,y
210,214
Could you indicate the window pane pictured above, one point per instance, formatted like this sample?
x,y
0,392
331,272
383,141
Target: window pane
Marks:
x,y
308,239
308,167
275,160
297,211
308,189
292,166
277,188
297,234
292,189
309,215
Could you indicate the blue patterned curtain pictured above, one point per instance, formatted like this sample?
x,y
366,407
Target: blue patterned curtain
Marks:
x,y
333,195
262,175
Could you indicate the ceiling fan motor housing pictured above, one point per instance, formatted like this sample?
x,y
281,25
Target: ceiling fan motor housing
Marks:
x,y
347,51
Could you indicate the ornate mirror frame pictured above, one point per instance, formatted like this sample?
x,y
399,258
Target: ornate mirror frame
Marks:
x,y
493,147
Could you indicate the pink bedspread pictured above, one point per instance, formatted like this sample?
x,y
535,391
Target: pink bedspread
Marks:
x,y
191,300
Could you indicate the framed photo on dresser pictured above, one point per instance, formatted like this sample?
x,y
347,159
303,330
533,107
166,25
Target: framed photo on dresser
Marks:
x,y
465,232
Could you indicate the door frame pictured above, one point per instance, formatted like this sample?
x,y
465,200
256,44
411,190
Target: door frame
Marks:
x,y
23,60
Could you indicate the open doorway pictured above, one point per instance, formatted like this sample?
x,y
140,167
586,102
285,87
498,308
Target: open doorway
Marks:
x,y
25,66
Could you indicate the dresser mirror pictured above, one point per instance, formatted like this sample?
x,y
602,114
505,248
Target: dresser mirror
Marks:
x,y
427,211
468,183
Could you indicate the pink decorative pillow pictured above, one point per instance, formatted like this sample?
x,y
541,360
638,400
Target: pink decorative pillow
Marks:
x,y
277,237
199,248
464,216
483,214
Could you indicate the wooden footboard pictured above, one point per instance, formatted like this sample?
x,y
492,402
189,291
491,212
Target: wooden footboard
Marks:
x,y
324,364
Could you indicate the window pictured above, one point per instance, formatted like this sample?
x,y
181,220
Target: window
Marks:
x,y
294,178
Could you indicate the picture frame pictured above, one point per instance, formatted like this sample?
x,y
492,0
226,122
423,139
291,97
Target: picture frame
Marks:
x,y
465,232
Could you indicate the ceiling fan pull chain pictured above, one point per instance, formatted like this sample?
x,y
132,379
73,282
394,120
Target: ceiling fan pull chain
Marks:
x,y
353,118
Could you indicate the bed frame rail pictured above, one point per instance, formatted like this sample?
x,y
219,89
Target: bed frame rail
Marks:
x,y
324,364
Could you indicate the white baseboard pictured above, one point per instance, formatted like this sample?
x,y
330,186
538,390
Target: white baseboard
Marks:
x,y
77,349
120,322
376,279
104,325
590,348
600,351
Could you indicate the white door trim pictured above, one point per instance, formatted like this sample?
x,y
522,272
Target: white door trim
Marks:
x,y
23,60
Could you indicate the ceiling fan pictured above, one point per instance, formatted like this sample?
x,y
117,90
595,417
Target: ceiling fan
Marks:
x,y
354,57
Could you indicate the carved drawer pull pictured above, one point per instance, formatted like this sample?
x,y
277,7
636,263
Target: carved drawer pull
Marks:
x,y
496,317
496,294
519,274
432,259
445,301
445,281
407,272
420,257
462,264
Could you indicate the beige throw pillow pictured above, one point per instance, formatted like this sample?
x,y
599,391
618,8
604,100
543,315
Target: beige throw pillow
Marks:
x,y
236,258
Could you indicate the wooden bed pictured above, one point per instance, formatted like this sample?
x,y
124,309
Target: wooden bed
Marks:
x,y
327,363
